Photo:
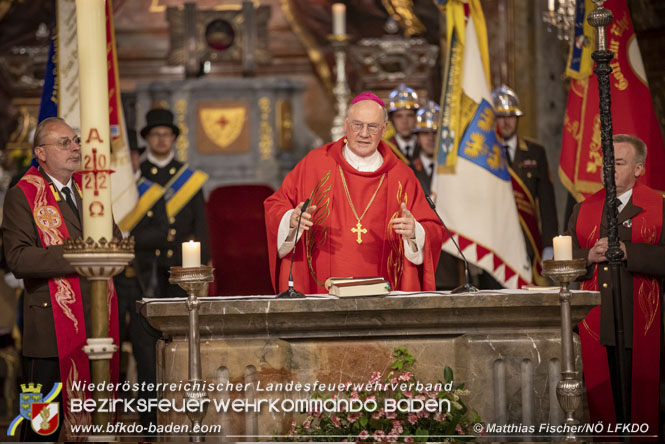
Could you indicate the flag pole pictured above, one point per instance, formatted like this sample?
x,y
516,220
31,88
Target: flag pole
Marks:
x,y
600,18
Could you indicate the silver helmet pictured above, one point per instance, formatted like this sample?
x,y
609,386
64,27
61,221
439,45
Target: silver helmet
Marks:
x,y
427,118
402,98
506,103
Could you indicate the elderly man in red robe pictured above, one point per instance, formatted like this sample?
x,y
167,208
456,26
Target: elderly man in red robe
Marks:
x,y
368,215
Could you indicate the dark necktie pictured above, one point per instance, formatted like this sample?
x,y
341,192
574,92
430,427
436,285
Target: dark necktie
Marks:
x,y
506,150
606,208
67,192
431,169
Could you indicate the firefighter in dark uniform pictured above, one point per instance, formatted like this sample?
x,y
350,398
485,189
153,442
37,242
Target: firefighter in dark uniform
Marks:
x,y
402,108
528,162
181,207
423,162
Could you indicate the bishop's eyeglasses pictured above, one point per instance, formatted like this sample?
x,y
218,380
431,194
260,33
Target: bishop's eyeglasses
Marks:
x,y
372,128
65,144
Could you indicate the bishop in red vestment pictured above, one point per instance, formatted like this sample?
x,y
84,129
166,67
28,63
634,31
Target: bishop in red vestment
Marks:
x,y
368,215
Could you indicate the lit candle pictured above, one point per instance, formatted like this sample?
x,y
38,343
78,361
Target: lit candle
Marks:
x,y
550,5
95,137
339,18
563,248
191,254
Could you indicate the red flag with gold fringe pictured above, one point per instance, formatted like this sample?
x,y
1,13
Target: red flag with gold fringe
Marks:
x,y
581,162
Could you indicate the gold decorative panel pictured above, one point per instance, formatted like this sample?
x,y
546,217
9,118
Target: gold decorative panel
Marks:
x,y
222,127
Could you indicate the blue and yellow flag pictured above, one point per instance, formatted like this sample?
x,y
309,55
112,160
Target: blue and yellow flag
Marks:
x,y
580,65
472,185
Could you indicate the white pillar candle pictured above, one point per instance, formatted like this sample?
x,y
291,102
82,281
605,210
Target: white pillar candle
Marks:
x,y
191,254
95,137
563,248
339,18
550,5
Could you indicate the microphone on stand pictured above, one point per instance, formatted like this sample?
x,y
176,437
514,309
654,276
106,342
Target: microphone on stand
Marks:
x,y
290,292
467,287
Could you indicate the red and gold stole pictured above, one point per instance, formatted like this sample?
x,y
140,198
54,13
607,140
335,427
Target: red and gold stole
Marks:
x,y
646,228
66,299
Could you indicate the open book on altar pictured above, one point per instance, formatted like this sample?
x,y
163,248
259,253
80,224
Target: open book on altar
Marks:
x,y
363,286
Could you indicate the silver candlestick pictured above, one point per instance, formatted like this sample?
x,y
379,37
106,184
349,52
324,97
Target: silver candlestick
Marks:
x,y
193,280
341,90
569,390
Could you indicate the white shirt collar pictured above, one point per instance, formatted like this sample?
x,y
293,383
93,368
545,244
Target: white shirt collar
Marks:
x,y
426,161
405,141
59,185
367,164
624,198
512,146
406,145
160,162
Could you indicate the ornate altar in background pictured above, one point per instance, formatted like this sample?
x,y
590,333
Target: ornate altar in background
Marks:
x,y
238,130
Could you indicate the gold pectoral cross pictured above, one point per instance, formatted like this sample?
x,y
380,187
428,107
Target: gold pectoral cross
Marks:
x,y
360,230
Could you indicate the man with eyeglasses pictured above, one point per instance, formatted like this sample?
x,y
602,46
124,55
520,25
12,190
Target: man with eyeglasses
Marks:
x,y
368,214
40,212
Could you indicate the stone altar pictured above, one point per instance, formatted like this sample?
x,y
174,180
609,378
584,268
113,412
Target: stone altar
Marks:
x,y
504,345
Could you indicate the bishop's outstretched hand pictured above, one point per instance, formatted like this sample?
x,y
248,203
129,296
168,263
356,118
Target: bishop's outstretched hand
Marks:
x,y
306,220
405,224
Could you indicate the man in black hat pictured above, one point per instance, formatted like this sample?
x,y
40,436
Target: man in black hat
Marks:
x,y
180,207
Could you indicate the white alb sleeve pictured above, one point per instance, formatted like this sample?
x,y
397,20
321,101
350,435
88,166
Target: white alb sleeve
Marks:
x,y
416,256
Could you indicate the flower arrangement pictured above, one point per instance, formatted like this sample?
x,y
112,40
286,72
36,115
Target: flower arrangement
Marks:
x,y
392,408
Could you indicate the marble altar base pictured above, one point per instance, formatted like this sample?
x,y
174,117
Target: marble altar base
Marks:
x,y
505,346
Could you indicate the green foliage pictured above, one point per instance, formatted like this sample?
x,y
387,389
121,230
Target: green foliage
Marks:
x,y
453,423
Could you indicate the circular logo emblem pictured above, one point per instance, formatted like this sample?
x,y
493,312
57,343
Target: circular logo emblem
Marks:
x,y
47,217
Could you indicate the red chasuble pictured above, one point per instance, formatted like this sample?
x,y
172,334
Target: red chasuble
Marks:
x,y
331,247
646,228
